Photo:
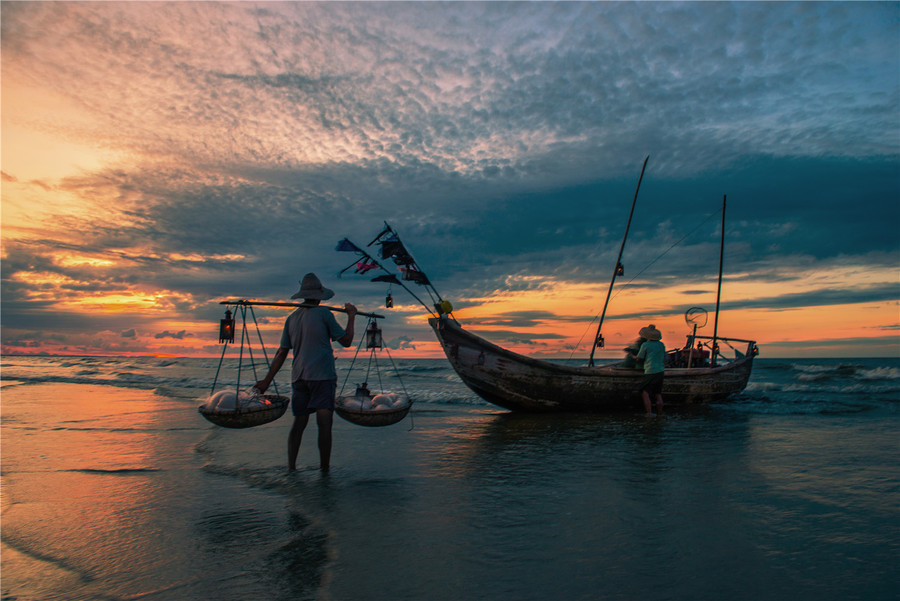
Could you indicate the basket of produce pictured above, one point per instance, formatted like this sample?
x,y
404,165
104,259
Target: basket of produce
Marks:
x,y
381,409
243,410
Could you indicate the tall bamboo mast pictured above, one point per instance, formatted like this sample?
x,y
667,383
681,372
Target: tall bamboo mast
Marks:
x,y
598,338
719,293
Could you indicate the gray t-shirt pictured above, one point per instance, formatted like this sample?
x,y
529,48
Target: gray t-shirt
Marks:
x,y
308,331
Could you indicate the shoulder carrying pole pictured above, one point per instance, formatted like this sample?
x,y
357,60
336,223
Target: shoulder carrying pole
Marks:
x,y
243,303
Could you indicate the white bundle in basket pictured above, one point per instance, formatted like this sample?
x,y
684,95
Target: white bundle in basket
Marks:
x,y
355,403
388,400
380,402
226,401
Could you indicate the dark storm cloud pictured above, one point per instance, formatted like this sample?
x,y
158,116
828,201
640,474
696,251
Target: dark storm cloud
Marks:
x,y
167,334
401,342
520,319
513,337
822,297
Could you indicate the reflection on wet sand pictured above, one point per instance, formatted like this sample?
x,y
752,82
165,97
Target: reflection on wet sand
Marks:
x,y
541,443
75,490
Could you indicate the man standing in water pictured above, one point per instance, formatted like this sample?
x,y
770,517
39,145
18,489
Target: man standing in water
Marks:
x,y
653,354
309,331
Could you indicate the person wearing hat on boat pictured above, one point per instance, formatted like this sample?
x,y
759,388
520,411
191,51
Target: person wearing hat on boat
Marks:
x,y
653,354
630,353
309,332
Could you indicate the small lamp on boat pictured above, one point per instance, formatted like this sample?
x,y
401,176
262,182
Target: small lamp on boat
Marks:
x,y
620,269
389,301
226,327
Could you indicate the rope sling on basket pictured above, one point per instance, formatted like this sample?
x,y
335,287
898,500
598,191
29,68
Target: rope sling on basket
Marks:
x,y
365,408
234,408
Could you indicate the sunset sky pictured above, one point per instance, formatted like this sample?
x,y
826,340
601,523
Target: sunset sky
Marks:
x,y
160,157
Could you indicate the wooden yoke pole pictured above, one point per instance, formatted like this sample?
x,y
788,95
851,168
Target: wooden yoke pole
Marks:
x,y
245,303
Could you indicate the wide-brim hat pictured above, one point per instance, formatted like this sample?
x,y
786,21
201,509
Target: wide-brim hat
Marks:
x,y
312,288
650,333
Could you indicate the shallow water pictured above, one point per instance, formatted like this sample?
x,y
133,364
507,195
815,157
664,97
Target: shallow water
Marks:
x,y
115,488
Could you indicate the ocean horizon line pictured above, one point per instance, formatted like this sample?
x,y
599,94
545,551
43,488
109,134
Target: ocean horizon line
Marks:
x,y
414,357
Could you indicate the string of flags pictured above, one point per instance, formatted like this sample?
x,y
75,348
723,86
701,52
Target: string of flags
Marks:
x,y
391,247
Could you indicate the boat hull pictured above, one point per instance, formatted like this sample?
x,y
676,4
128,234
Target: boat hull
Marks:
x,y
521,383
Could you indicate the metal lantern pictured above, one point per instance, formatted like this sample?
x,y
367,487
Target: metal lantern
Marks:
x,y
373,336
226,328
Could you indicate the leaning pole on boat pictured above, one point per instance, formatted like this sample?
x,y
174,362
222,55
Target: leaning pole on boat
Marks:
x,y
719,293
616,269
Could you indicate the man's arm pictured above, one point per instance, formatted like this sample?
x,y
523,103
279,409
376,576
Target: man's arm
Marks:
x,y
277,362
347,339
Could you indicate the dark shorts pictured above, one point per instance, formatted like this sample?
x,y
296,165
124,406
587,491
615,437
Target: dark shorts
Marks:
x,y
311,395
652,383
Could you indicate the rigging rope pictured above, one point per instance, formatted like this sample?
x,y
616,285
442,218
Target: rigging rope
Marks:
x,y
646,267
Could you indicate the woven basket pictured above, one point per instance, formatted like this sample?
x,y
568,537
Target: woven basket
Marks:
x,y
384,417
249,417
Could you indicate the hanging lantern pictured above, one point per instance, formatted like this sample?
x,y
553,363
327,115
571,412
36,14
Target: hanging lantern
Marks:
x,y
226,327
600,342
389,301
373,336
620,269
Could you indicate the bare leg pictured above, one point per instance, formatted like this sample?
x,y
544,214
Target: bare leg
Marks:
x,y
647,407
659,404
294,438
324,420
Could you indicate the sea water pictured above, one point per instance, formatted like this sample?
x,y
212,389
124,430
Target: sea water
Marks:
x,y
114,487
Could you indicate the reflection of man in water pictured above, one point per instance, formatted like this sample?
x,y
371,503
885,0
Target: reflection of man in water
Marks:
x,y
653,354
309,331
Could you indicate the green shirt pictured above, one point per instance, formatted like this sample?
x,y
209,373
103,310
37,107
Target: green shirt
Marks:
x,y
653,352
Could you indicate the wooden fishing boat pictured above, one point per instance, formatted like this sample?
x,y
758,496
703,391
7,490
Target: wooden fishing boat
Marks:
x,y
522,383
